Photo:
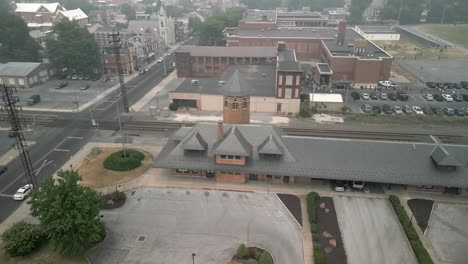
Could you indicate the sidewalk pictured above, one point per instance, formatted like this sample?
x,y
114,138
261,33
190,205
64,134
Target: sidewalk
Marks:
x,y
156,89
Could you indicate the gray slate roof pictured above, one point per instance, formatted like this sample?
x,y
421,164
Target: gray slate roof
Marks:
x,y
234,86
233,143
18,69
218,51
326,158
287,61
443,158
194,142
270,146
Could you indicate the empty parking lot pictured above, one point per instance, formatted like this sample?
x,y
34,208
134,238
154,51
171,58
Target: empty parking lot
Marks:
x,y
371,232
168,225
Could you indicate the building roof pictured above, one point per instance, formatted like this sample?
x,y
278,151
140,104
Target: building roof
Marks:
x,y
74,14
218,51
442,157
35,34
326,97
270,146
376,29
34,7
233,143
287,61
259,78
327,158
143,26
259,16
194,142
18,69
234,86
324,68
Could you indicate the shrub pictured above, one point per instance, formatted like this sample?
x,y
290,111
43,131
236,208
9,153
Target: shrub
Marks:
x,y
265,258
117,162
305,110
311,198
249,261
313,228
118,196
173,106
242,251
418,248
43,260
355,95
319,257
22,238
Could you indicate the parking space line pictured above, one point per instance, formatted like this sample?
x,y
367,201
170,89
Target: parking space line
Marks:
x,y
63,150
75,137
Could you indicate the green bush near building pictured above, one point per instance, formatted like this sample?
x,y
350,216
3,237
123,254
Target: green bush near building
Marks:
x,y
118,162
419,250
22,238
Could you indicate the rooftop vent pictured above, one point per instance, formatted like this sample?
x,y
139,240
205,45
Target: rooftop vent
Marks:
x,y
263,75
195,82
221,83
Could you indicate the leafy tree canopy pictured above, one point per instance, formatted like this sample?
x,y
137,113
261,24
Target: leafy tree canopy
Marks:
x,y
211,31
455,11
174,11
15,42
128,11
262,4
74,48
356,9
410,10
68,212
194,24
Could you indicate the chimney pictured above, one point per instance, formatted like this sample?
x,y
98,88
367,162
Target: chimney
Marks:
x,y
220,131
281,45
341,32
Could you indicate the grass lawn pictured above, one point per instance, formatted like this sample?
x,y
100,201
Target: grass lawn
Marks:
x,y
457,34
45,251
94,174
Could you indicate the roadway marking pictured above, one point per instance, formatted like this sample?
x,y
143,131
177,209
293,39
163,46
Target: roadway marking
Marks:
x,y
75,137
36,171
63,150
6,195
44,163
108,104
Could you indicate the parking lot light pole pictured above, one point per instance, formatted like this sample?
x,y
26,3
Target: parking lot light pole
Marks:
x,y
193,258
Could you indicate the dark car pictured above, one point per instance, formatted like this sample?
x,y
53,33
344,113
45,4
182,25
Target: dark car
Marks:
x,y
376,109
438,97
3,169
355,95
431,84
374,96
458,98
11,134
387,109
392,96
457,86
33,99
449,111
459,112
168,71
402,96
427,111
437,110
61,85
465,97
449,85
464,84
342,85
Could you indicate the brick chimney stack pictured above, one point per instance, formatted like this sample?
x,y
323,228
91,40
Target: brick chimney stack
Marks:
x,y
220,131
341,32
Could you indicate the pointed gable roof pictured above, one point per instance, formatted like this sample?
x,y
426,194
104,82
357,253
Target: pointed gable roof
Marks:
x,y
270,146
443,158
195,142
235,87
233,143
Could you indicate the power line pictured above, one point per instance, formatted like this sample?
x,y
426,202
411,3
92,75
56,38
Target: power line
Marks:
x,y
21,144
116,48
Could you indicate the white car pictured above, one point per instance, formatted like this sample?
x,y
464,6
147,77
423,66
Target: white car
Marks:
x,y
160,60
358,185
387,84
428,97
417,110
447,97
365,96
397,110
23,192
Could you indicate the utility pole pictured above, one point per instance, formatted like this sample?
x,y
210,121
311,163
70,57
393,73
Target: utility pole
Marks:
x,y
122,134
21,144
116,47
399,11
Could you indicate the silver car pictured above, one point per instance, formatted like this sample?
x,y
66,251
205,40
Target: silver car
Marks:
x,y
23,192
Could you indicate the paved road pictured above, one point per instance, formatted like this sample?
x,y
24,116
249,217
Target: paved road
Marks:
x,y
65,136
212,224
371,232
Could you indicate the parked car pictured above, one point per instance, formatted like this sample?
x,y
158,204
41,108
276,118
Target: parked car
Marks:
x,y
387,109
427,110
340,186
374,96
74,77
376,109
402,96
141,72
437,110
23,192
457,86
3,169
447,98
366,108
61,85
438,97
397,110
464,84
392,96
342,85
365,96
417,110
465,97
387,84
383,96
431,84
161,59
358,185
33,99
105,79
85,87
466,110
459,112
449,111
428,97
355,95
458,98
407,109
95,77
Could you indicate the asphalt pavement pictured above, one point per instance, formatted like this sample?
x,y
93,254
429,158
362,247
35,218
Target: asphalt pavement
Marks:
x,y
68,133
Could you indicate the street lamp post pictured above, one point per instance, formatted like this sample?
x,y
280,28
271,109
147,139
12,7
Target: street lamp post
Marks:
x,y
193,258
157,103
399,11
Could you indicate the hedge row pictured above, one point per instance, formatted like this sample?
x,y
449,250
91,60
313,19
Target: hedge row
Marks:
x,y
421,253
312,197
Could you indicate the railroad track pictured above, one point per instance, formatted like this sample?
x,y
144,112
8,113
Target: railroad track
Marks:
x,y
158,126
32,119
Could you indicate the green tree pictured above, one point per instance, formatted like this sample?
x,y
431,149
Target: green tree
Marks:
x,y
22,238
174,11
233,16
84,5
74,48
356,9
242,251
410,10
4,6
262,4
194,24
319,5
265,258
455,11
68,212
128,11
15,42
211,32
